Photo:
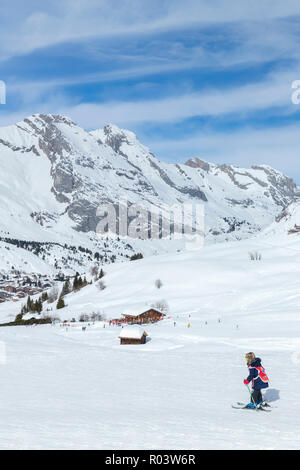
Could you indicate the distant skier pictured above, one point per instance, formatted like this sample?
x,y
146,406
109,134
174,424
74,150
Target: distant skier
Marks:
x,y
258,377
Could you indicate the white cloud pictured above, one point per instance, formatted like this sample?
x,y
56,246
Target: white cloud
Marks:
x,y
272,92
41,25
256,35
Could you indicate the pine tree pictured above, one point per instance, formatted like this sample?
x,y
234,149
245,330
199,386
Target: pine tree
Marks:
x,y
66,288
19,317
101,275
60,303
29,304
75,283
39,305
23,310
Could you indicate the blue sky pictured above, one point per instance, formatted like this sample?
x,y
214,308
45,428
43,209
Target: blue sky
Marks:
x,y
194,78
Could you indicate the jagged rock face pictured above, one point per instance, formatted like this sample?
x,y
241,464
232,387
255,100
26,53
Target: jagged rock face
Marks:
x,y
238,202
197,163
280,187
113,138
80,170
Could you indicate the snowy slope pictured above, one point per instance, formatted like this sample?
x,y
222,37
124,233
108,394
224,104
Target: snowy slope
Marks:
x,y
54,175
218,278
223,271
174,392
12,257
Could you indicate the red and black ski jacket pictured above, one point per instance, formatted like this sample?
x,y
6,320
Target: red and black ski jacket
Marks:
x,y
257,375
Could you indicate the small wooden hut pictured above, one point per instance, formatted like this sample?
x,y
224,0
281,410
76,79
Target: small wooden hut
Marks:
x,y
295,229
133,336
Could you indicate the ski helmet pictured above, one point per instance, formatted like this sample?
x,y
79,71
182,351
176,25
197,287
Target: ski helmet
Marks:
x,y
250,357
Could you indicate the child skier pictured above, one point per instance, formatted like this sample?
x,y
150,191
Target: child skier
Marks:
x,y
258,377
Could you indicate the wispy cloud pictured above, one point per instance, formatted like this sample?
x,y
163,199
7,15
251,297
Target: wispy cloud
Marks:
x,y
42,25
153,64
273,92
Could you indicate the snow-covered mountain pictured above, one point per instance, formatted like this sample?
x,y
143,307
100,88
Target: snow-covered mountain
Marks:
x,y
54,175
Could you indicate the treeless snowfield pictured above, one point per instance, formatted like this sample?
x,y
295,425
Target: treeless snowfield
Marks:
x,y
67,389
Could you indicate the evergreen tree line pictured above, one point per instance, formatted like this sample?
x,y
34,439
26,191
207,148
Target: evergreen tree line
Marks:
x,y
40,247
34,306
136,256
78,284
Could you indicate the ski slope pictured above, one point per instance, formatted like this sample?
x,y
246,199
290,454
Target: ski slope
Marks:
x,y
64,388
70,389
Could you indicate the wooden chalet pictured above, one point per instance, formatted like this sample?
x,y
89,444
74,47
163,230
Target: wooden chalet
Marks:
x,y
295,229
149,316
133,336
10,289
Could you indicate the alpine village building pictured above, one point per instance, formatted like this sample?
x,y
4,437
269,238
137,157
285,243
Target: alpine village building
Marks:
x,y
149,316
133,336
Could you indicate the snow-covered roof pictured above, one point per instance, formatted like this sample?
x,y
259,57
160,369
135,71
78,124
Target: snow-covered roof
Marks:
x,y
135,333
135,311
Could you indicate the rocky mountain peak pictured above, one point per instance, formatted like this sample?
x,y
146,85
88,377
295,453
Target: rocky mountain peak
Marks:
x,y
68,172
196,162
